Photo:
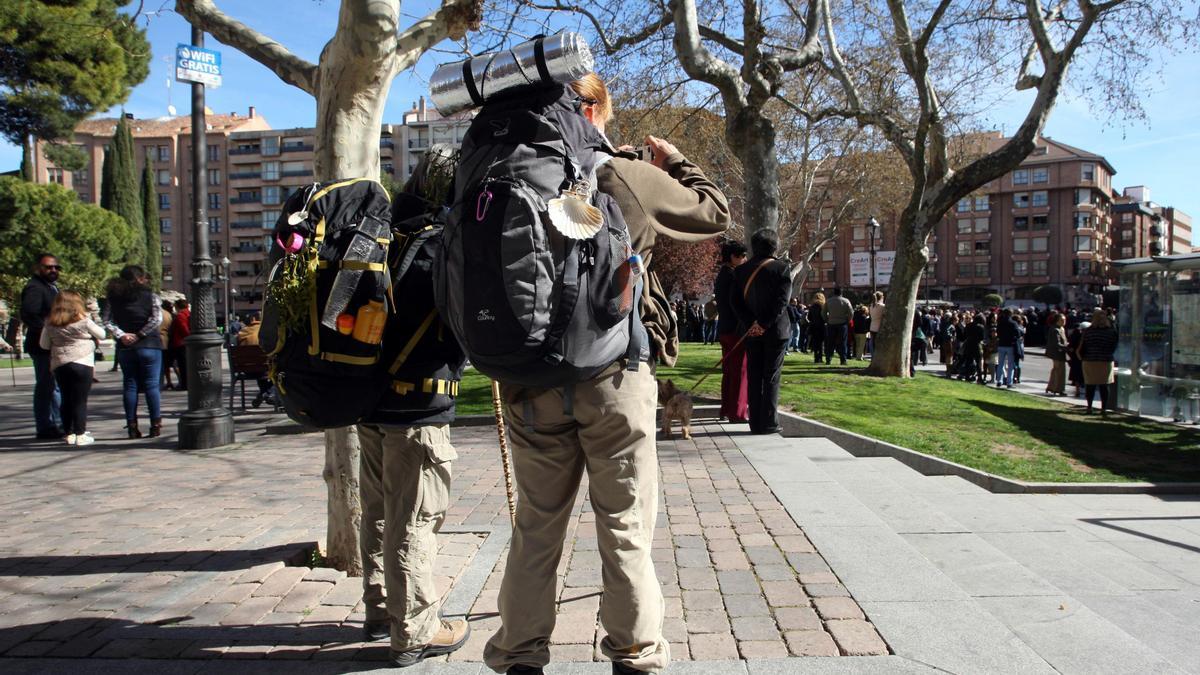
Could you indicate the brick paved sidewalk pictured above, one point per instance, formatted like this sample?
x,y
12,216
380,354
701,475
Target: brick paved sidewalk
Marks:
x,y
128,549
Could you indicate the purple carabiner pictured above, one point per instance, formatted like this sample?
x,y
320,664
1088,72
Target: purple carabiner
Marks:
x,y
482,204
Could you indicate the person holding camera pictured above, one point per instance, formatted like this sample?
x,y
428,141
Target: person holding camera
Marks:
x,y
609,433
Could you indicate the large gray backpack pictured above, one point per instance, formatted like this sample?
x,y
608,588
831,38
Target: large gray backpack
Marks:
x,y
529,305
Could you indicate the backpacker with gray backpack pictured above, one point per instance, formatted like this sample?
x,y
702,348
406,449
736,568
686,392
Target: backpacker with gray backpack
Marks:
x,y
537,277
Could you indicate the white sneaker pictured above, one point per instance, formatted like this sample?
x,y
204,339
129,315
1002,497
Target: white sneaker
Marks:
x,y
71,438
84,439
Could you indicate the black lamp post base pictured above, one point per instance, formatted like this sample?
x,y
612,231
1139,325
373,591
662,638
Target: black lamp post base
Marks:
x,y
201,429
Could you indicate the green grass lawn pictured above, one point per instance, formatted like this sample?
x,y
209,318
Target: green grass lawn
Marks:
x,y
1002,432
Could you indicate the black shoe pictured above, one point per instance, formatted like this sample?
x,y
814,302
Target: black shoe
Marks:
x,y
526,670
374,631
50,436
622,669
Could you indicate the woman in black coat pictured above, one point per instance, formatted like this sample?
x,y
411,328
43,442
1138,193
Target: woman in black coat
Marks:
x,y
974,336
816,326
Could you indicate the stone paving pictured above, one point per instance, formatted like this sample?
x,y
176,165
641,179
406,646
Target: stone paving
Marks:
x,y
130,549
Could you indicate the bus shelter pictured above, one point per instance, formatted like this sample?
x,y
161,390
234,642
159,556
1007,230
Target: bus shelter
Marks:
x,y
1158,358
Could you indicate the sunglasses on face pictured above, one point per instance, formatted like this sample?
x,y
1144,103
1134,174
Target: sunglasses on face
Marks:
x,y
52,267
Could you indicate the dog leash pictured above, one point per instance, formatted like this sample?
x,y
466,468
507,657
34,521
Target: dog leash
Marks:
x,y
718,363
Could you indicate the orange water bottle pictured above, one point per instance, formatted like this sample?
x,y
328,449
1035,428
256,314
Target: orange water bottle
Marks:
x,y
368,325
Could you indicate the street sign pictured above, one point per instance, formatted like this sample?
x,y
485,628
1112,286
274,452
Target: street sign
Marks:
x,y
196,64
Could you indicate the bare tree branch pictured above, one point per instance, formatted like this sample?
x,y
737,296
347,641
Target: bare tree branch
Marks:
x,y
856,109
722,39
452,20
698,62
611,46
289,67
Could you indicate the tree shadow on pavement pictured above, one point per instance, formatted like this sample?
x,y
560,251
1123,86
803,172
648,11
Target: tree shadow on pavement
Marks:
x,y
157,561
183,638
1144,450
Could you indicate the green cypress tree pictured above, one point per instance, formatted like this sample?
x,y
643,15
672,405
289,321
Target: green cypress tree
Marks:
x,y
106,179
26,163
122,189
150,221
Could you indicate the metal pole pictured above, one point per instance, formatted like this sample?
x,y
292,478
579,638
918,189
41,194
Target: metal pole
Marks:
x,y
206,424
225,265
873,228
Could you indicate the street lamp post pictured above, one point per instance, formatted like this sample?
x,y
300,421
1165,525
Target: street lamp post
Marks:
x,y
206,424
225,262
872,228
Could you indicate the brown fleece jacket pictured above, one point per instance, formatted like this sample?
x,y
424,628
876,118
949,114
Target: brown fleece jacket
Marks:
x,y
680,203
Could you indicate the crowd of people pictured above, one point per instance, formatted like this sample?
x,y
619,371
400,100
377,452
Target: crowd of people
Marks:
x,y
988,346
978,345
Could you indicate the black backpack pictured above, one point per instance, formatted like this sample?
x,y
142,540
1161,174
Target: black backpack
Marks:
x,y
422,358
529,305
323,378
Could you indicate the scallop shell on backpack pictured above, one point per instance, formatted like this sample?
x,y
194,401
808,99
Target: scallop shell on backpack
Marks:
x,y
574,218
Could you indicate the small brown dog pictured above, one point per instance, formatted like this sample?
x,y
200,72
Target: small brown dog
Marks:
x,y
677,404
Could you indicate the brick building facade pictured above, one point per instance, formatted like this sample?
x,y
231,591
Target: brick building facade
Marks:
x,y
252,169
1048,222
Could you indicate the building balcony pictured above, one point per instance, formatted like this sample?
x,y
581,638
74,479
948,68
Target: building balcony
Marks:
x,y
386,143
246,225
297,173
296,147
245,151
244,175
245,248
417,144
245,200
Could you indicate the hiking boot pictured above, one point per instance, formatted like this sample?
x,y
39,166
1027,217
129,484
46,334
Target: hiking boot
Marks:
x,y
453,634
525,670
373,631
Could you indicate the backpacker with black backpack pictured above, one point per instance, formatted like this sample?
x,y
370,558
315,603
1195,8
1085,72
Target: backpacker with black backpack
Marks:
x,y
423,361
327,301
537,277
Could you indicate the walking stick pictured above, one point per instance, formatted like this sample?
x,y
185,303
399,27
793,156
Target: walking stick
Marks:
x,y
12,365
504,456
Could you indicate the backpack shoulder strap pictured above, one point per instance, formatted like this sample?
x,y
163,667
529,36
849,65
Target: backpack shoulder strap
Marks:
x,y
761,265
411,247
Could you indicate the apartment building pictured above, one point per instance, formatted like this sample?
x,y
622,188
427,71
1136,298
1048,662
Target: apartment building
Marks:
x,y
1143,228
401,146
252,169
165,143
1049,221
265,167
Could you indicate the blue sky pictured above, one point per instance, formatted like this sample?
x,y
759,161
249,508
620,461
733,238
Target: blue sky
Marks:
x,y
1156,152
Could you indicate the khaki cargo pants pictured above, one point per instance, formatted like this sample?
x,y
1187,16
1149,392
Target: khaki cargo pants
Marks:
x,y
611,436
404,479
